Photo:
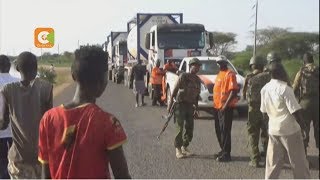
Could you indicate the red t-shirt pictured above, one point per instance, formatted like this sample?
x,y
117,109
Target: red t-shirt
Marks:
x,y
95,132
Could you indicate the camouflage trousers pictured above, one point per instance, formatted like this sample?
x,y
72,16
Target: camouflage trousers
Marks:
x,y
18,170
256,127
310,111
183,115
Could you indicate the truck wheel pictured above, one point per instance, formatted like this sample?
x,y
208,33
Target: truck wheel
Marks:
x,y
168,95
118,80
110,75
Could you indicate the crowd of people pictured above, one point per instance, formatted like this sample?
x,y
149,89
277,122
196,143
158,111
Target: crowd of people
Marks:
x,y
79,140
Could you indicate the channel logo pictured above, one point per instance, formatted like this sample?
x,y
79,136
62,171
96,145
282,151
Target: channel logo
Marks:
x,y
44,37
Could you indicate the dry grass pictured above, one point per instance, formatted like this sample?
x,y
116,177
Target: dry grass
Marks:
x,y
63,80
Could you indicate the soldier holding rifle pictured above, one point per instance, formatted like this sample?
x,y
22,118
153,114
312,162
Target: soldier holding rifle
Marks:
x,y
186,92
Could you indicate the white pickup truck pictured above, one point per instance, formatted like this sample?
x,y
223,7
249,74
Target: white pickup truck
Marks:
x,y
207,73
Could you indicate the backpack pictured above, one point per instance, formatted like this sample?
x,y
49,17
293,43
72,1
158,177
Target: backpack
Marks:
x,y
309,83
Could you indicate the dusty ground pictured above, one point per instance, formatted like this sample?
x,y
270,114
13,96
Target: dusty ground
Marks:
x,y
63,79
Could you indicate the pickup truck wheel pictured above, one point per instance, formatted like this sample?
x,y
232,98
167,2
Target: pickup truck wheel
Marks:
x,y
168,95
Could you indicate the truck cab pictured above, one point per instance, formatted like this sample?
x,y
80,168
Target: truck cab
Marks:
x,y
120,58
175,41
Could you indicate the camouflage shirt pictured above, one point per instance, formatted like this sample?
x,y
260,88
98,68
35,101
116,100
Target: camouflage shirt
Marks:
x,y
311,74
247,79
255,85
189,88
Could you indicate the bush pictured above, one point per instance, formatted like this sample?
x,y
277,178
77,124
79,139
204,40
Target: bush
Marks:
x,y
292,66
241,61
48,75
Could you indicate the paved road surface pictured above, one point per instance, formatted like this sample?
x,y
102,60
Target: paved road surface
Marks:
x,y
149,158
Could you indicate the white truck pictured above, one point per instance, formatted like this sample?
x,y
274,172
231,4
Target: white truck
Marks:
x,y
207,73
137,29
163,37
117,52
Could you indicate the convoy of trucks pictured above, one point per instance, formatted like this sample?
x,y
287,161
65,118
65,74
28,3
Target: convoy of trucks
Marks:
x,y
152,37
116,46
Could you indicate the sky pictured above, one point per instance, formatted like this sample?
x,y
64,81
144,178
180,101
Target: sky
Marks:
x,y
79,22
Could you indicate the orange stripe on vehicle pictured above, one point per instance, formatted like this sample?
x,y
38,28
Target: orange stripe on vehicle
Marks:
x,y
205,80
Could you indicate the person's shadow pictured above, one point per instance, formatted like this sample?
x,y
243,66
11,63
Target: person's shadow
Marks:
x,y
211,156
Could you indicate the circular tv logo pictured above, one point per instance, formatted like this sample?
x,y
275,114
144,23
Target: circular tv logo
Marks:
x,y
44,37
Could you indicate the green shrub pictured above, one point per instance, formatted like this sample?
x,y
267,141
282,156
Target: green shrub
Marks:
x,y
241,61
292,67
48,75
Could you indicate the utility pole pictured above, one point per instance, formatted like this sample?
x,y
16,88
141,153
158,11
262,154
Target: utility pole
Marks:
x,y
255,31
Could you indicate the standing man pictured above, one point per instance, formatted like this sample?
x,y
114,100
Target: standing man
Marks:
x,y
168,67
5,135
156,82
224,97
256,122
27,101
138,72
285,136
186,93
306,88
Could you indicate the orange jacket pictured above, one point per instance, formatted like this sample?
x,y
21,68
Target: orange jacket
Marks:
x,y
225,82
156,76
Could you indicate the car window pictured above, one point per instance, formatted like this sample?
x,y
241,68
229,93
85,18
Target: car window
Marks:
x,y
210,67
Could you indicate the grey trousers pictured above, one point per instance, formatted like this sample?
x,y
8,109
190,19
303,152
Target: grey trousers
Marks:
x,y
291,145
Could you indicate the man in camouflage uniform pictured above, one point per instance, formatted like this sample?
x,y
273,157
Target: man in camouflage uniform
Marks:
x,y
256,83
251,92
306,88
186,93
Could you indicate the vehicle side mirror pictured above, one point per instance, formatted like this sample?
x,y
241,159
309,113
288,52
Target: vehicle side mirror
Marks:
x,y
211,40
147,41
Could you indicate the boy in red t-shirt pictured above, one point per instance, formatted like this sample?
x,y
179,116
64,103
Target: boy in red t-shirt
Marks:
x,y
78,140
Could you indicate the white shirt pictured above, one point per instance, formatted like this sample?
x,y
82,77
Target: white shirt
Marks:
x,y
279,102
5,78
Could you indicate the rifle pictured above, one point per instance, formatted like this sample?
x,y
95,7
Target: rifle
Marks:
x,y
167,118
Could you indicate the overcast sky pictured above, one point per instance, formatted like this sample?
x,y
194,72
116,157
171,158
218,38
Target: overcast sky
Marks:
x,y
90,21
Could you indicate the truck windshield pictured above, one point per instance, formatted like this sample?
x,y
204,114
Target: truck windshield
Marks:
x,y
211,68
123,48
181,40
